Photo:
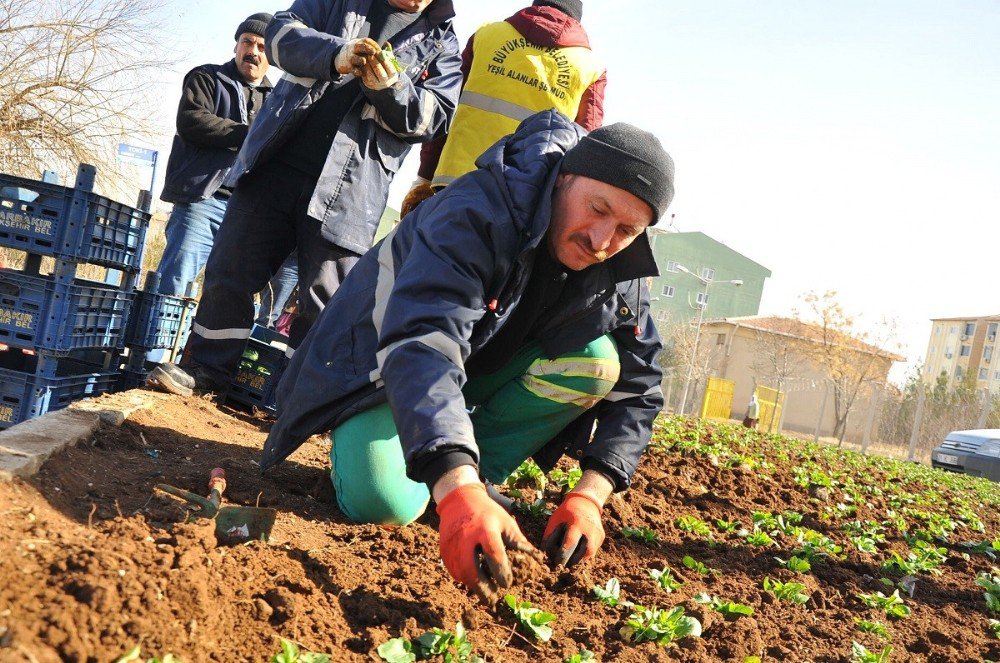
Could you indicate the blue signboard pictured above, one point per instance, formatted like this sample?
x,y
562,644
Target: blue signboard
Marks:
x,y
140,155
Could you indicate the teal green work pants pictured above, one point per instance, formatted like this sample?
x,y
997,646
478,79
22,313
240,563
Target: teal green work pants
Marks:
x,y
517,410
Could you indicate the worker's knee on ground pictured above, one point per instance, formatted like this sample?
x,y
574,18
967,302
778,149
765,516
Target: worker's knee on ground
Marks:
x,y
582,378
379,504
369,471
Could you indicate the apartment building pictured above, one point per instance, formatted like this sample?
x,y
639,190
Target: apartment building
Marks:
x,y
964,347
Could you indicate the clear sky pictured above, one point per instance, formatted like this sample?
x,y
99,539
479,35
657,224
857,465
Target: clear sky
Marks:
x,y
850,146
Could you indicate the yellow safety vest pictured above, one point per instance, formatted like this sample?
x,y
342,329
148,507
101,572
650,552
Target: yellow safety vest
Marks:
x,y
511,79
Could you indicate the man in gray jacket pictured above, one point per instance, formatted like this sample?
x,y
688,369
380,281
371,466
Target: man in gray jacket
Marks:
x,y
315,168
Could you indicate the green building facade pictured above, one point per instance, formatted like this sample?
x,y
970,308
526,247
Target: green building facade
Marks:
x,y
677,296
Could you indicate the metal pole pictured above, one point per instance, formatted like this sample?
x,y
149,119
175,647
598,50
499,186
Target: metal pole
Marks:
x,y
915,433
870,423
822,411
694,352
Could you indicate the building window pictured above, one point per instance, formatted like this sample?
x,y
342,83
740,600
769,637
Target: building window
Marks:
x,y
991,332
996,375
937,331
668,291
707,273
702,299
970,328
661,316
720,339
988,353
983,373
672,266
958,372
933,350
965,351
953,329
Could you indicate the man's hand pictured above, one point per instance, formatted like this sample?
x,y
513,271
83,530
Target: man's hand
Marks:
x,y
475,535
575,532
354,55
378,73
419,192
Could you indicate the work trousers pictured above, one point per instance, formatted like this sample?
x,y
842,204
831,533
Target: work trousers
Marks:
x,y
515,412
265,221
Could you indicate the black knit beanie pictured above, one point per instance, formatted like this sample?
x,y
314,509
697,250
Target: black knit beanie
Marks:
x,y
628,158
254,24
572,8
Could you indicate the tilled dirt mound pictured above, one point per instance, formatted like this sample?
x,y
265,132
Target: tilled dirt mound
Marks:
x,y
93,563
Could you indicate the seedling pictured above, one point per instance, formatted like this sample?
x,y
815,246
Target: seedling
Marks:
x,y
641,533
925,557
565,480
290,654
582,656
988,548
796,564
660,626
665,579
694,525
859,654
787,591
873,627
455,647
536,509
727,526
893,604
991,584
690,562
389,57
610,594
761,539
534,620
527,473
995,627
727,608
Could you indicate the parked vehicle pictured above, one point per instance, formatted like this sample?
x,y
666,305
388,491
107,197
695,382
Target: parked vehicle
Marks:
x,y
975,452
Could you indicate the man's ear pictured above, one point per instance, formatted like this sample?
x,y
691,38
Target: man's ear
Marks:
x,y
235,46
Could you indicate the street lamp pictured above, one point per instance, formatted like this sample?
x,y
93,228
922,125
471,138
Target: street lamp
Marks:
x,y
697,330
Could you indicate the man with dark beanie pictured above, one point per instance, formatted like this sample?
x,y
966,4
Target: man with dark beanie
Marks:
x,y
218,105
504,318
537,59
314,172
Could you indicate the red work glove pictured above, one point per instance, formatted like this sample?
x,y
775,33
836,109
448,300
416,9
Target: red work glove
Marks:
x,y
472,524
575,532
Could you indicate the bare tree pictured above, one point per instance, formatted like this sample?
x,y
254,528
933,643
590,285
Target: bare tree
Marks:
x,y
73,81
851,357
779,355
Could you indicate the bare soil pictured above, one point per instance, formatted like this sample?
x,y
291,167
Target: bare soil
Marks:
x,y
92,562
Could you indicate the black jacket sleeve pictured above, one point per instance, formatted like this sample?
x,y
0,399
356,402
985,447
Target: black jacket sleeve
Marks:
x,y
197,122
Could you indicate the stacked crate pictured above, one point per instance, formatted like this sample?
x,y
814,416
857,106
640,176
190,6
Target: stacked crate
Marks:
x,y
157,322
61,335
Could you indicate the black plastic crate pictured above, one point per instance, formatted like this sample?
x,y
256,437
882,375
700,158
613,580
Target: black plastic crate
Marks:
x,y
155,321
71,223
39,313
259,371
25,394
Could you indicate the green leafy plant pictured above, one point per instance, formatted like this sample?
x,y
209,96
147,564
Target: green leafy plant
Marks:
x,y
860,654
893,604
454,647
582,656
290,654
665,579
873,627
527,473
565,480
610,594
995,627
389,57
787,591
641,533
796,564
536,509
534,620
991,584
694,525
691,563
727,526
660,626
724,607
925,557
760,539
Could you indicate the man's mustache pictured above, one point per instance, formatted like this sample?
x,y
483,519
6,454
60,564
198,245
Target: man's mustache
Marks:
x,y
252,59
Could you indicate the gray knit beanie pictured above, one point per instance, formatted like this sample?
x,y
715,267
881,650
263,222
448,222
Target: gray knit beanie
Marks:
x,y
572,8
254,24
628,158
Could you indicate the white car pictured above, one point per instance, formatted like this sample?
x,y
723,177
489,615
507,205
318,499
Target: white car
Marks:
x,y
975,452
